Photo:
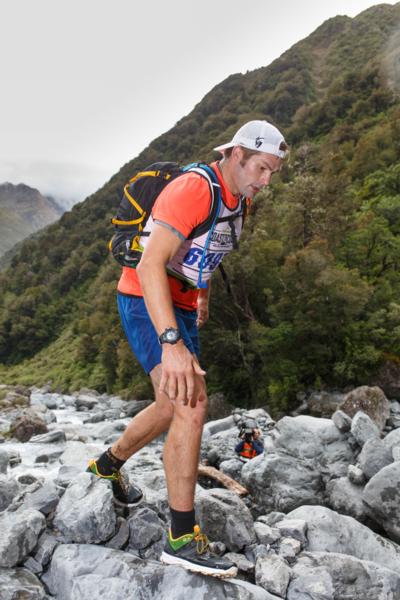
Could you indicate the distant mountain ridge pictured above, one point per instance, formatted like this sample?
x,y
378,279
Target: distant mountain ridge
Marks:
x,y
23,211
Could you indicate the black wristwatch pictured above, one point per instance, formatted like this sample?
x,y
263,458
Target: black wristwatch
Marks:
x,y
170,336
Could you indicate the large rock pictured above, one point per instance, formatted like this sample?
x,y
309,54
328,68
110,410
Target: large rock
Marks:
x,y
374,456
224,517
370,400
56,435
19,535
79,572
392,440
327,576
12,397
4,460
26,425
342,421
45,499
317,440
346,498
219,446
86,402
85,513
105,431
363,428
307,452
282,482
216,426
145,528
382,496
329,531
77,454
44,549
134,407
273,574
20,584
8,490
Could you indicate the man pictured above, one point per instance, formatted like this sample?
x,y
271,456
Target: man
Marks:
x,y
161,308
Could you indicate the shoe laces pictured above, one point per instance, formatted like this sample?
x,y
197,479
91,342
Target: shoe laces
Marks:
x,y
201,540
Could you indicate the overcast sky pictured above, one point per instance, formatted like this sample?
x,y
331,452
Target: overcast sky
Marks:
x,y
87,84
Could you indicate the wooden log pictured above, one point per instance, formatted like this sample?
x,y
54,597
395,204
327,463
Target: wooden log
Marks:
x,y
225,480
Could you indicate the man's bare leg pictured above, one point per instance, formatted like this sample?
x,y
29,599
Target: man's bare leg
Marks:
x,y
148,424
181,459
182,449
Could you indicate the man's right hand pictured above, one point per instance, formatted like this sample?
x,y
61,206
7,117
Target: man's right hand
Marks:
x,y
179,371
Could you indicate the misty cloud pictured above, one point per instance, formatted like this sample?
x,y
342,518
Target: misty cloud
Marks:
x,y
391,63
67,183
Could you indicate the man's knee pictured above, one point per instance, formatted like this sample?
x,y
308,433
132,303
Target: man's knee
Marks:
x,y
194,415
165,413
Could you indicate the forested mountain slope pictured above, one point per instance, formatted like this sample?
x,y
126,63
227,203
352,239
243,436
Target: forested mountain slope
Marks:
x,y
316,284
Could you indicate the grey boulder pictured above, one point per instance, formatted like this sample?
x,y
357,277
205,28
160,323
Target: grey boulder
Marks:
x,y
77,454
145,528
56,435
224,517
79,572
20,584
280,482
382,496
392,440
341,576
374,456
45,499
20,531
8,490
328,531
85,513
363,428
341,420
273,574
346,498
371,400
4,460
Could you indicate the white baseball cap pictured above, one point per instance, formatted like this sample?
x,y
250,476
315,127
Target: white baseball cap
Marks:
x,y
258,135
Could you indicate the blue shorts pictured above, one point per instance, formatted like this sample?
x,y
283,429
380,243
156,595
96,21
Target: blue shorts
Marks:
x,y
142,336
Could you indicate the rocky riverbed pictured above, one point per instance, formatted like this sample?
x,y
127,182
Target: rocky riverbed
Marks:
x,y
321,520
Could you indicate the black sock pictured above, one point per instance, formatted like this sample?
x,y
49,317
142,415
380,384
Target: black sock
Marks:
x,y
181,522
107,463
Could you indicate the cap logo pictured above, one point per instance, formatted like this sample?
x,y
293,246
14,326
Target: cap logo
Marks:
x,y
259,141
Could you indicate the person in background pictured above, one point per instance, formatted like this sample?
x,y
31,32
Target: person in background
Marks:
x,y
251,444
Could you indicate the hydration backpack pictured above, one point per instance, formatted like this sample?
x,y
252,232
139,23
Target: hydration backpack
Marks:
x,y
138,199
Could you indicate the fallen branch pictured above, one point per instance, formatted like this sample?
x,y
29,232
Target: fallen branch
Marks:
x,y
226,481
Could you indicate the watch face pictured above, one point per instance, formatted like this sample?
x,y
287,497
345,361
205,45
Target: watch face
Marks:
x,y
171,336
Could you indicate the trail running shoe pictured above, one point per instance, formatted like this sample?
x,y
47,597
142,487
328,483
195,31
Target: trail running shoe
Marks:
x,y
190,551
125,494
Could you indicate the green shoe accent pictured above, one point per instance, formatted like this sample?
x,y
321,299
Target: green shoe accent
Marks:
x,y
93,469
125,494
177,543
190,551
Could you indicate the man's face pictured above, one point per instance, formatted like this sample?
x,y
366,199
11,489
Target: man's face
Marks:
x,y
254,173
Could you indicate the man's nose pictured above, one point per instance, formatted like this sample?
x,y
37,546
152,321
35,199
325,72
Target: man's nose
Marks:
x,y
266,178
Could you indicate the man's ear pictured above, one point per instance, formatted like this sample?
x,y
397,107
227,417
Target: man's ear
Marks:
x,y
237,153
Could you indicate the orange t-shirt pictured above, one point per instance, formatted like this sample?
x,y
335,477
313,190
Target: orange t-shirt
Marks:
x,y
183,204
